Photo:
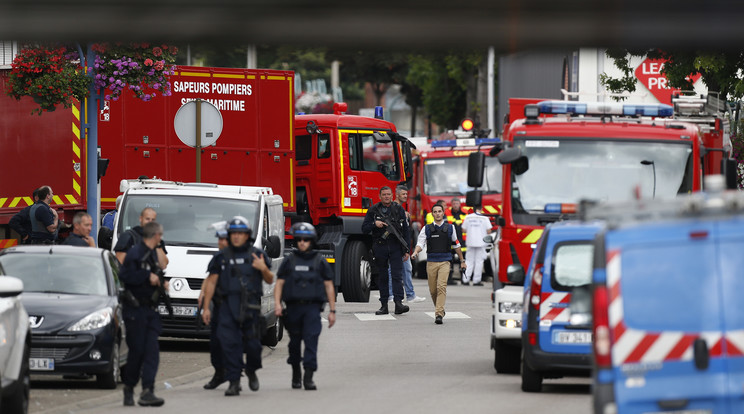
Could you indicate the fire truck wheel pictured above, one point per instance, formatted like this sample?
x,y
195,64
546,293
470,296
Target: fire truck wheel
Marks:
x,y
357,274
507,358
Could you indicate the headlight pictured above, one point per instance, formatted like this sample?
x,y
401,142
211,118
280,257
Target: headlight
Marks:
x,y
510,307
95,320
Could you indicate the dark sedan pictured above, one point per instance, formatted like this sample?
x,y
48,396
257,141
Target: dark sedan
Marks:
x,y
71,296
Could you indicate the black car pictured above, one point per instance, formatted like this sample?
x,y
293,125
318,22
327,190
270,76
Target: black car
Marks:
x,y
71,296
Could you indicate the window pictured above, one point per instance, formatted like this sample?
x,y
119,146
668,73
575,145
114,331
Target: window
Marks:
x,y
304,147
324,146
366,154
572,265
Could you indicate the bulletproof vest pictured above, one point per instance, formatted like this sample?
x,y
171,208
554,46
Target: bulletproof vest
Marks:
x,y
438,242
239,283
304,282
389,214
36,225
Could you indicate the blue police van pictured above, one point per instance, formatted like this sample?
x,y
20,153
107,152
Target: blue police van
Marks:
x,y
554,345
668,318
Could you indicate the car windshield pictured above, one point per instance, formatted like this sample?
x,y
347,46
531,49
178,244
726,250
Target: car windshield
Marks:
x,y
572,265
448,176
57,273
186,220
569,170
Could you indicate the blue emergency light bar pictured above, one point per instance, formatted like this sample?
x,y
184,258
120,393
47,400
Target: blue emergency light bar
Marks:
x,y
464,142
560,208
604,108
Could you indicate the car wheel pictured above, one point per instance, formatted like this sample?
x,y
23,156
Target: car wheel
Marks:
x,y
506,358
17,401
531,380
357,275
107,380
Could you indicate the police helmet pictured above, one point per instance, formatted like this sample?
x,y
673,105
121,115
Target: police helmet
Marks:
x,y
220,228
303,229
238,224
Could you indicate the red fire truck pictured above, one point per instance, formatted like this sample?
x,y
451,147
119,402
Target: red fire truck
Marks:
x,y
580,150
440,173
327,168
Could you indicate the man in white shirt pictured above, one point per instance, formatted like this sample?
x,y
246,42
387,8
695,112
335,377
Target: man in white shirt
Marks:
x,y
476,227
439,238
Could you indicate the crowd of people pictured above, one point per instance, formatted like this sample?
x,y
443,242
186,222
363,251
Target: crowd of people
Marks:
x,y
231,294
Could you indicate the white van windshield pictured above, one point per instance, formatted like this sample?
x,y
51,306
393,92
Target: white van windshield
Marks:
x,y
186,219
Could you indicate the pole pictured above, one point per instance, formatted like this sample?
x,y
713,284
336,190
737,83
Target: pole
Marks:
x,y
91,123
491,94
198,140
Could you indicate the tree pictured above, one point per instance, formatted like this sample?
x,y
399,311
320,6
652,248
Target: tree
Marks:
x,y
380,69
719,70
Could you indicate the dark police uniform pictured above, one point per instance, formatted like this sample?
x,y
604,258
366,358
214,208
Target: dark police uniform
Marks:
x,y
304,275
21,223
215,347
130,238
75,240
239,326
387,249
143,321
41,217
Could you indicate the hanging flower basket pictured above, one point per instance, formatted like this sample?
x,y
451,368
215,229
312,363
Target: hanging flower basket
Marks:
x,y
49,75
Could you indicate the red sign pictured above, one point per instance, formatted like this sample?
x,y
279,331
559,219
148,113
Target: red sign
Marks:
x,y
649,73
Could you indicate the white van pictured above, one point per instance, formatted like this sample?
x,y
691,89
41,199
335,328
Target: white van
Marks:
x,y
186,211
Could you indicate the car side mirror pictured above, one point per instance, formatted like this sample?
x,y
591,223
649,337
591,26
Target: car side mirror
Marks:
x,y
515,273
272,246
488,239
10,286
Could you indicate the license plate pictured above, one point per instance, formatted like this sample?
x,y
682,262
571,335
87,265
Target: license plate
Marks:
x,y
683,412
178,310
566,337
41,364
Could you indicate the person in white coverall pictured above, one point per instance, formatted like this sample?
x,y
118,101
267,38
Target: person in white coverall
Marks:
x,y
476,227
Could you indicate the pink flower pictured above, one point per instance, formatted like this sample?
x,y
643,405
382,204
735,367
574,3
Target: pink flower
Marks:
x,y
159,65
148,62
157,51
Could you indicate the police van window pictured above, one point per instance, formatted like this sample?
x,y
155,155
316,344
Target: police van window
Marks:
x,y
324,146
572,265
304,149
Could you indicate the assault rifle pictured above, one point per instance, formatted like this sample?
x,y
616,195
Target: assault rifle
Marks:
x,y
391,228
160,293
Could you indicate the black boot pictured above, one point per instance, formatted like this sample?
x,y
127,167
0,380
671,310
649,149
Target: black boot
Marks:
x,y
308,380
400,307
296,377
217,379
148,399
233,389
383,309
128,396
252,380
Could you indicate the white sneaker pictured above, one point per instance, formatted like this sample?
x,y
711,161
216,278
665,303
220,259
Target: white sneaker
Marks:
x,y
417,299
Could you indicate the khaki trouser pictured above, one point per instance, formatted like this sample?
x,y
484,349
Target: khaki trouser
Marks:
x,y
437,273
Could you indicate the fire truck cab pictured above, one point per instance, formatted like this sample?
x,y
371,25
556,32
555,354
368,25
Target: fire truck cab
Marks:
x,y
342,163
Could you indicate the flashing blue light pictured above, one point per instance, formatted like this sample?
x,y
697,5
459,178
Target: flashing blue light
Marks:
x,y
378,112
648,110
562,107
300,113
554,208
464,142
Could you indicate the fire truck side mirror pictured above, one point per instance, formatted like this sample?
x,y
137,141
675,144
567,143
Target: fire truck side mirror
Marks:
x,y
514,156
474,198
728,169
476,164
102,167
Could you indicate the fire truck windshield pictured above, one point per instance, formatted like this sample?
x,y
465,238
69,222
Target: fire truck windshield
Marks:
x,y
186,219
569,170
448,176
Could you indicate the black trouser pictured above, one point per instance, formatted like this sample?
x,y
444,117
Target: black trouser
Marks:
x,y
303,325
389,255
143,329
215,347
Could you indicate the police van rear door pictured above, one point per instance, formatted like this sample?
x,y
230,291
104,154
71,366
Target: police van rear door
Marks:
x,y
665,296
731,260
568,265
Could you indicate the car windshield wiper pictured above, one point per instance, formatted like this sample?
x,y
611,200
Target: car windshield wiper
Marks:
x,y
56,291
189,244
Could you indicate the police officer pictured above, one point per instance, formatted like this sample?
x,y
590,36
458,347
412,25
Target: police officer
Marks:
x,y
132,236
305,283
44,219
239,271
139,275
215,348
388,250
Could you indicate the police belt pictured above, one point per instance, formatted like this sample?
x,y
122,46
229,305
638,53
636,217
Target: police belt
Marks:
x,y
146,302
303,302
390,240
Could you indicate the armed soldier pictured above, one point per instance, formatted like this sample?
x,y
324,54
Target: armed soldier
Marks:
x,y
387,223
239,270
139,274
